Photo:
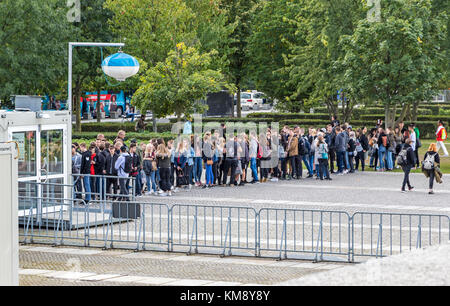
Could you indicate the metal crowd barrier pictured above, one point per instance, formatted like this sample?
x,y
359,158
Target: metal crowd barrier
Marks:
x,y
103,193
229,230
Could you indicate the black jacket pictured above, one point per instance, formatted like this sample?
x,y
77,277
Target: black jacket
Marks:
x,y
85,163
411,158
364,142
109,166
100,163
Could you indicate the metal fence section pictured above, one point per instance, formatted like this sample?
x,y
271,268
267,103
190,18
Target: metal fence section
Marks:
x,y
381,234
284,233
226,229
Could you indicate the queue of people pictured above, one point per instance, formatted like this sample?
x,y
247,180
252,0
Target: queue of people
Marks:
x,y
229,160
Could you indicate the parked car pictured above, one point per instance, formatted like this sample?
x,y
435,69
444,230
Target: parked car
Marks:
x,y
253,100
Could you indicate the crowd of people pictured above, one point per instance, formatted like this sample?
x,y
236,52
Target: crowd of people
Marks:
x,y
161,168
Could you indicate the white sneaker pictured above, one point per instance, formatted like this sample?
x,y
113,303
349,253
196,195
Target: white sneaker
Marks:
x,y
163,194
190,186
274,179
169,193
171,188
160,191
176,189
149,193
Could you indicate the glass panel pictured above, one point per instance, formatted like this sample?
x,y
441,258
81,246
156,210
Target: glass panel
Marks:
x,y
27,154
28,190
52,151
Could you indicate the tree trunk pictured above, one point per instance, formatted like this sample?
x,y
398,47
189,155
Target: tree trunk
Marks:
x,y
238,103
405,109
414,110
332,108
98,110
389,120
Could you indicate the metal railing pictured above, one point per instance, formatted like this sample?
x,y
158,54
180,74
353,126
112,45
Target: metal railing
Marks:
x,y
229,230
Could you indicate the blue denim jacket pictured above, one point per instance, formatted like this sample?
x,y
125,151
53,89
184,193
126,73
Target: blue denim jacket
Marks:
x,y
190,156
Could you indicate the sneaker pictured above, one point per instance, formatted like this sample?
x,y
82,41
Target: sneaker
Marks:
x,y
160,191
163,194
274,179
431,192
149,193
190,187
169,193
204,186
410,188
403,191
329,179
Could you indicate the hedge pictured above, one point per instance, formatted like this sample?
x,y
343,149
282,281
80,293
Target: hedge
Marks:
x,y
128,127
420,117
88,137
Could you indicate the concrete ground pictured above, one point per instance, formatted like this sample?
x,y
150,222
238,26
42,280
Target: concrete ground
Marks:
x,y
424,267
390,222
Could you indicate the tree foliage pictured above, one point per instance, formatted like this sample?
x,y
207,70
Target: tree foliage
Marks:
x,y
177,85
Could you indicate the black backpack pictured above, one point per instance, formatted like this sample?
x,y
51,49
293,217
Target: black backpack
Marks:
x,y
301,146
127,165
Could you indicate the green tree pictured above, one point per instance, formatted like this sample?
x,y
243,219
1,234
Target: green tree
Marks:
x,y
313,65
33,53
239,14
178,84
394,61
273,35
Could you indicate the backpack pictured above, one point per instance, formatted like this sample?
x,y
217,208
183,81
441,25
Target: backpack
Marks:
x,y
428,163
385,142
127,164
301,146
402,158
260,151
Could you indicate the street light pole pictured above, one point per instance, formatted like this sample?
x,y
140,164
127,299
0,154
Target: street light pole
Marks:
x,y
69,93
82,44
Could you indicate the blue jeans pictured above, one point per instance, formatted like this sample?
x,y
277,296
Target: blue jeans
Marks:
x,y
390,160
87,188
209,175
347,161
138,182
382,156
151,181
198,169
311,163
340,161
254,169
305,159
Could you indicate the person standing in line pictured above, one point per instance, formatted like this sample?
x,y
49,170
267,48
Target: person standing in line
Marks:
x,y
85,171
307,153
208,155
441,136
390,149
76,167
383,144
135,168
93,181
406,160
253,152
418,145
293,154
164,165
180,163
351,151
111,182
231,162
123,167
198,160
323,159
340,150
149,165
430,166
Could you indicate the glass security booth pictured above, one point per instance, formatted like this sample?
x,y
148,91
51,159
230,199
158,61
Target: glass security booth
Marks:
x,y
44,164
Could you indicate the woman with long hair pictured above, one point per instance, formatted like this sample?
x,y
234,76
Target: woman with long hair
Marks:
x,y
163,158
430,166
150,167
208,151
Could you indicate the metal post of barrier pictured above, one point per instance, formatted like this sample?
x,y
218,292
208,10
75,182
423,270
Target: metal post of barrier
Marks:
x,y
351,237
257,236
419,235
319,238
170,229
379,245
194,227
141,228
227,234
283,238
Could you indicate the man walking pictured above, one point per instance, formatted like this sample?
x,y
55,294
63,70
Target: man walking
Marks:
x,y
441,136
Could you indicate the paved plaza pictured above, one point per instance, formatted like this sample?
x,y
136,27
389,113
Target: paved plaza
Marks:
x,y
360,192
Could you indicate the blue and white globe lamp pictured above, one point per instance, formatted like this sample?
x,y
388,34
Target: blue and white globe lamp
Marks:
x,y
120,66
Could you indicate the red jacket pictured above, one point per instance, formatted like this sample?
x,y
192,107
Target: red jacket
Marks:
x,y
441,134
